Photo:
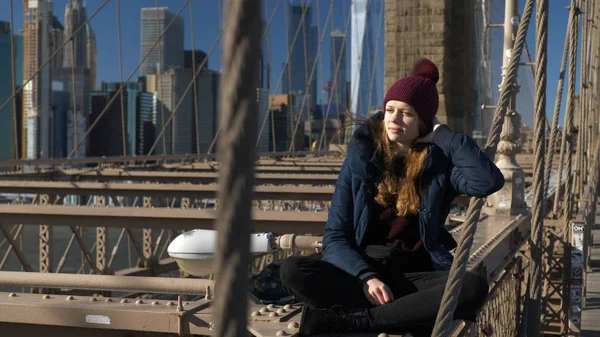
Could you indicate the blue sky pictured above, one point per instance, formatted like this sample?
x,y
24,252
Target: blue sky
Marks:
x,y
206,24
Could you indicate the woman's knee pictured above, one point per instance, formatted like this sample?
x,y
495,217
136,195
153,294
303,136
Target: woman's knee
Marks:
x,y
475,288
291,271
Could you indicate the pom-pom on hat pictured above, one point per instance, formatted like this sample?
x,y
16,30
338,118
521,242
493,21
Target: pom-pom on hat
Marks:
x,y
419,90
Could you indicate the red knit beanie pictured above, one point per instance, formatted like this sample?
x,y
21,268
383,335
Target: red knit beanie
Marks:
x,y
419,90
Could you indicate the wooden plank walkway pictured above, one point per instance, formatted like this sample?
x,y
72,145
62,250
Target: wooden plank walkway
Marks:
x,y
590,315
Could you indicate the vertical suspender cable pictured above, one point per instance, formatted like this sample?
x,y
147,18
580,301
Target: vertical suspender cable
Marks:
x,y
557,104
239,120
13,73
537,217
196,117
123,134
459,266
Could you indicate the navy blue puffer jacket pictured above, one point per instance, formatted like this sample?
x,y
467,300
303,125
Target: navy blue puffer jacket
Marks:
x,y
454,165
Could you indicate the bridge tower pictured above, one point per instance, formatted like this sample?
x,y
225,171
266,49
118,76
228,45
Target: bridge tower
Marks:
x,y
442,31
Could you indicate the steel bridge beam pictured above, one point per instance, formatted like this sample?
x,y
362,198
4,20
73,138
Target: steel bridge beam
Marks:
x,y
169,177
133,160
159,285
161,190
156,218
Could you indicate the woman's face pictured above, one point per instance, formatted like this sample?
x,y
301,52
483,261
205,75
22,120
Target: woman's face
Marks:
x,y
401,122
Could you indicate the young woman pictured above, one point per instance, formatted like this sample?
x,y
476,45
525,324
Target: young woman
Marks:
x,y
385,250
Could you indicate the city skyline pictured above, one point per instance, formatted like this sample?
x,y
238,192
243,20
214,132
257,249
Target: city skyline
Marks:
x,y
206,22
206,26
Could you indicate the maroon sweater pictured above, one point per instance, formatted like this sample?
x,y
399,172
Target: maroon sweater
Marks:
x,y
389,229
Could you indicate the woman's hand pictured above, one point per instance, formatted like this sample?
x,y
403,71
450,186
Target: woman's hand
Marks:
x,y
377,292
427,138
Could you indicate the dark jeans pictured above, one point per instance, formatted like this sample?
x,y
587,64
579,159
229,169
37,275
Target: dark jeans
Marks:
x,y
417,294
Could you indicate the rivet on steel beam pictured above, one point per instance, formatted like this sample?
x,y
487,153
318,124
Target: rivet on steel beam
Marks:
x,y
139,302
170,303
273,314
179,304
281,333
256,313
270,306
281,311
93,299
263,310
108,300
70,298
154,303
46,297
287,307
293,325
382,335
12,295
124,300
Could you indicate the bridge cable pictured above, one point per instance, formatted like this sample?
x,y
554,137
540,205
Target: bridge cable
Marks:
x,y
239,120
159,80
568,122
557,105
194,65
119,51
73,84
457,271
14,81
537,217
270,112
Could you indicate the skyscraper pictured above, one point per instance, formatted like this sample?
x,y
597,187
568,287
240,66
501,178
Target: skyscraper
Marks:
x,y
339,74
37,45
178,132
7,132
208,88
262,97
168,53
143,124
106,139
194,55
60,109
57,32
76,50
296,74
91,55
364,92
264,66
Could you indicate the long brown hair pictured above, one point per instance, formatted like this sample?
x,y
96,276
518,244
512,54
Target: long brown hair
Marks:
x,y
400,183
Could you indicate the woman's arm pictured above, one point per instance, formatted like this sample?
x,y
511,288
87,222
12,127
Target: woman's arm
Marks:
x,y
473,173
339,242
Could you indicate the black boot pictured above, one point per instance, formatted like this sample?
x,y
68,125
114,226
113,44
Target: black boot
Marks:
x,y
317,321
